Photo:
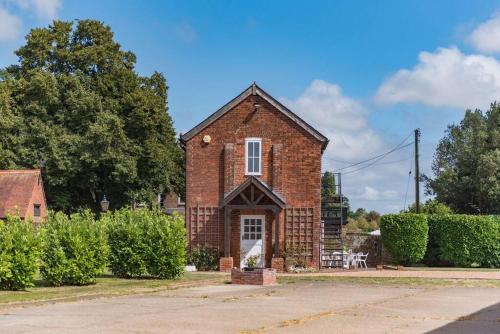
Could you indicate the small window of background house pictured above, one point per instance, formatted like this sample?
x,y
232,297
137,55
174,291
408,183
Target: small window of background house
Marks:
x,y
36,210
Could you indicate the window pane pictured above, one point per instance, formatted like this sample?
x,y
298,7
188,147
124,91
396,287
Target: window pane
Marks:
x,y
252,229
259,228
252,236
250,165
256,165
250,149
256,149
247,229
259,236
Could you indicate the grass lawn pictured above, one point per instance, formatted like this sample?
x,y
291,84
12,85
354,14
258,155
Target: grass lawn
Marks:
x,y
406,281
106,286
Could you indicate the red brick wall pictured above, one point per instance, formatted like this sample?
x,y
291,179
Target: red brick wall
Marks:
x,y
300,170
37,197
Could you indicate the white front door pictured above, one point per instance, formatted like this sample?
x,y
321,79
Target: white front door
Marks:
x,y
252,239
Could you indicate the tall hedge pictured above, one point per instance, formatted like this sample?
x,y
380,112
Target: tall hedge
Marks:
x,y
75,249
146,243
465,240
20,247
405,236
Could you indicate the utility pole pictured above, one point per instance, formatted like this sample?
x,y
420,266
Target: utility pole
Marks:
x,y
417,173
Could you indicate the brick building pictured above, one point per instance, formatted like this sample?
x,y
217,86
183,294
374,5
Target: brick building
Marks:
x,y
21,193
253,178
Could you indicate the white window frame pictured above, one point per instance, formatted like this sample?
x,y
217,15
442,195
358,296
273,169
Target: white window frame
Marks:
x,y
253,140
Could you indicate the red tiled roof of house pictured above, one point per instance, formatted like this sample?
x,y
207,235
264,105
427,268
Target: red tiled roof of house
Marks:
x,y
16,188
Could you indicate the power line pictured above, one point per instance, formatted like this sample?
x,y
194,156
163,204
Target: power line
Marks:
x,y
378,156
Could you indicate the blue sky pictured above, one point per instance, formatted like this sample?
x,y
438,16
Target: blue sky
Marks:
x,y
365,73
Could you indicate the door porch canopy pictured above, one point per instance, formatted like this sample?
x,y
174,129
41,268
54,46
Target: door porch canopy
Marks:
x,y
252,194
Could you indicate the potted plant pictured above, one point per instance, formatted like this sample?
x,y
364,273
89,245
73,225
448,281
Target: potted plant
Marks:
x,y
252,262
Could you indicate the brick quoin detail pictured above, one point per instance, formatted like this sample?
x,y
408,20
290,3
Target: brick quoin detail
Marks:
x,y
276,164
291,166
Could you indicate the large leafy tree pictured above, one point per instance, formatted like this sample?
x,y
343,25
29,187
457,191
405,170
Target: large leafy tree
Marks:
x,y
75,105
467,164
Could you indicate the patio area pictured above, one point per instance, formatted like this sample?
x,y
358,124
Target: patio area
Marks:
x,y
311,307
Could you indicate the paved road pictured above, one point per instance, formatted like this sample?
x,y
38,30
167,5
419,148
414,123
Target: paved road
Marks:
x,y
320,307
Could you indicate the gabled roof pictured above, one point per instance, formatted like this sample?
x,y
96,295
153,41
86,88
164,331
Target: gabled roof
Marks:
x,y
259,184
16,189
255,90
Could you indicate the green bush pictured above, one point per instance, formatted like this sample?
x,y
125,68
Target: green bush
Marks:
x,y
432,257
146,243
75,249
405,236
466,240
20,248
203,258
166,245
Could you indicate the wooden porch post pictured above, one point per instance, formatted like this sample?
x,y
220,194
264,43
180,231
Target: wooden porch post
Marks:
x,y
227,232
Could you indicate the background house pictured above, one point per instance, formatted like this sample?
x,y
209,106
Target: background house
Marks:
x,y
253,179
21,193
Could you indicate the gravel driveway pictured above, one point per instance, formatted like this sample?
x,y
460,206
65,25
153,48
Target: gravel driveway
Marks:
x,y
307,307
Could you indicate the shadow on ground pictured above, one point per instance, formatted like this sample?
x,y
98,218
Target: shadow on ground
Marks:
x,y
486,320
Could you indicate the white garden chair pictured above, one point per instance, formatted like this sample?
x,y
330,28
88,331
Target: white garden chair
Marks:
x,y
361,260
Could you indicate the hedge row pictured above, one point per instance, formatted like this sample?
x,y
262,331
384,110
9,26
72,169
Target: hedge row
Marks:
x,y
20,249
405,236
464,240
146,243
458,240
75,249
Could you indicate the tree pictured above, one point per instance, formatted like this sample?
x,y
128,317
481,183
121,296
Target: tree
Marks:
x,y
467,164
328,186
431,206
99,127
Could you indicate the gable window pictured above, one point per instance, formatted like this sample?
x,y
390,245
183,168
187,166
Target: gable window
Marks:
x,y
36,210
253,149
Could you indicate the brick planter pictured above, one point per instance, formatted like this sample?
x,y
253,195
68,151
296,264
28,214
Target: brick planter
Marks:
x,y
225,264
254,277
278,263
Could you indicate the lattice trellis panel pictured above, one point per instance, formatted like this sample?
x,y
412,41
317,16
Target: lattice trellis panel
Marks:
x,y
299,232
204,227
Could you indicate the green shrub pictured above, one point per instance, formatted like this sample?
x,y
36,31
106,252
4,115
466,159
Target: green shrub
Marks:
x,y
432,257
465,240
405,236
146,243
203,258
75,249
166,245
20,248
126,242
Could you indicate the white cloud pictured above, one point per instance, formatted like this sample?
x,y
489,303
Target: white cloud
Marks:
x,y
486,37
10,25
372,194
344,121
340,118
45,9
446,77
